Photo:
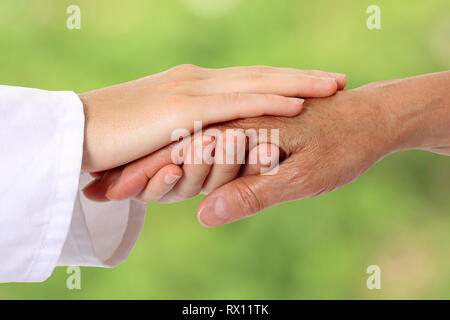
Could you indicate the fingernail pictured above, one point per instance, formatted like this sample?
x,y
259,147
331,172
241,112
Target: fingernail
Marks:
x,y
214,213
297,100
171,178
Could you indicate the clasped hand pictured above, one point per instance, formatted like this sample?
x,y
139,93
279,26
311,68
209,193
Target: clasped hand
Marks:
x,y
133,120
324,143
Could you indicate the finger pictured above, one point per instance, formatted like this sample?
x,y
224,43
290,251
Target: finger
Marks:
x,y
136,175
289,85
96,189
261,159
225,107
228,158
97,174
161,183
196,167
339,77
247,195
218,108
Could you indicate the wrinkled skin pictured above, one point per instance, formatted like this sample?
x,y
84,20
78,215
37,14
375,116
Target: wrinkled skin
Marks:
x,y
335,140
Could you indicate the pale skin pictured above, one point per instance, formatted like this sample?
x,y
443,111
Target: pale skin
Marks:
x,y
333,142
128,121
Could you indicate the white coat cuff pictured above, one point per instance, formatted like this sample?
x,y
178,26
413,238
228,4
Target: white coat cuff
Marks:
x,y
60,208
101,234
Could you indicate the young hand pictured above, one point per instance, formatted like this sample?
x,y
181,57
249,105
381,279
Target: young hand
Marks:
x,y
130,120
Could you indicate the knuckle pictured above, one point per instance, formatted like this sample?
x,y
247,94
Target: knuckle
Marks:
x,y
233,98
187,194
190,66
187,67
260,69
183,68
269,98
253,77
249,198
172,85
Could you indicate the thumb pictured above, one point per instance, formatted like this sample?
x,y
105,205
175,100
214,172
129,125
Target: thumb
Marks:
x,y
241,198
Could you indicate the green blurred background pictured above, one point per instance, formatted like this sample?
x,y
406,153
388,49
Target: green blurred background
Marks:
x,y
396,216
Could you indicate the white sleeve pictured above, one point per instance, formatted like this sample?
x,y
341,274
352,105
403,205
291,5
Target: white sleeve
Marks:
x,y
101,234
41,145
